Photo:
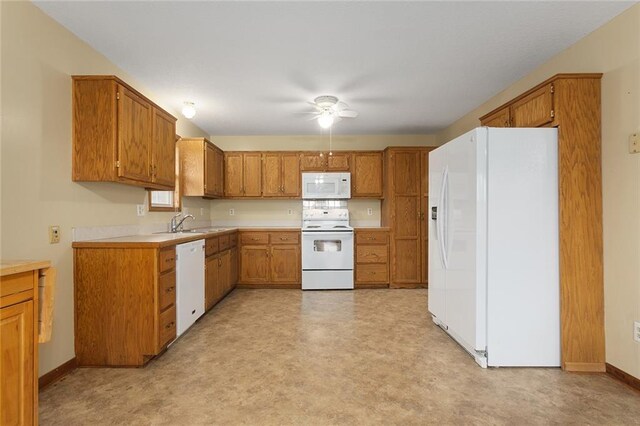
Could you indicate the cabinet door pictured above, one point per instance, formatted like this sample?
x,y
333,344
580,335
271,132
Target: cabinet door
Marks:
x,y
406,253
164,149
367,175
233,174
534,110
311,161
291,175
211,293
338,162
252,174
134,136
500,118
285,264
233,261
271,173
210,172
224,273
254,264
17,366
219,167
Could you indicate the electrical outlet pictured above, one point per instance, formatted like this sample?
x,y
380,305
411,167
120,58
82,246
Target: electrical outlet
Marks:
x,y
290,212
140,209
370,211
634,143
54,234
636,331
232,212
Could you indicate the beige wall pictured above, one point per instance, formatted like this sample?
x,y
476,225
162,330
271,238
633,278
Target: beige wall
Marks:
x,y
613,50
38,57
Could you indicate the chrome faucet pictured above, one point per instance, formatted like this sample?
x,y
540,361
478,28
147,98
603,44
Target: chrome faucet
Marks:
x,y
176,225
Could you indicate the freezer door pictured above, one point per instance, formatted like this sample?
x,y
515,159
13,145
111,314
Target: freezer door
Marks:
x,y
465,234
437,271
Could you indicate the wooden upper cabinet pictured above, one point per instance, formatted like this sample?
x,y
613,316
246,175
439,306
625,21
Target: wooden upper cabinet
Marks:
x,y
501,118
535,109
338,162
366,175
135,115
313,162
200,168
120,136
252,174
243,174
164,152
281,174
233,174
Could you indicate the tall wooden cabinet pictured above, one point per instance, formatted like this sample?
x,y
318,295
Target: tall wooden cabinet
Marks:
x,y
404,211
120,136
201,168
19,342
571,102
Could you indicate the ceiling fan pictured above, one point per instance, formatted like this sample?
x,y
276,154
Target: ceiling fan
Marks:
x,y
329,110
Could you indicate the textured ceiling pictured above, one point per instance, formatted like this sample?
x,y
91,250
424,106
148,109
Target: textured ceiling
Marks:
x,y
406,67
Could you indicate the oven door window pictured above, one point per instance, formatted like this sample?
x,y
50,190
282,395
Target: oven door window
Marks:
x,y
327,245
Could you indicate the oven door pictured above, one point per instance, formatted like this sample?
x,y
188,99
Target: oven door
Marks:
x,y
327,250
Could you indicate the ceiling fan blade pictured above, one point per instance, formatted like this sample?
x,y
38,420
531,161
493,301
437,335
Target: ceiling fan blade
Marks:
x,y
340,106
347,113
315,117
315,105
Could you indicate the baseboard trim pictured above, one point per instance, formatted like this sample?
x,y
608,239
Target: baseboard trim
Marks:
x,y
370,285
271,286
623,376
585,367
408,285
57,373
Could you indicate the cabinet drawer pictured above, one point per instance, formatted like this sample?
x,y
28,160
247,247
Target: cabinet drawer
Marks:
x,y
233,239
167,326
224,242
211,246
372,273
16,283
372,254
167,259
254,238
167,289
285,238
371,237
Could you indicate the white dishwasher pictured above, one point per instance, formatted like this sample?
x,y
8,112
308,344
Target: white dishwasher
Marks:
x,y
189,284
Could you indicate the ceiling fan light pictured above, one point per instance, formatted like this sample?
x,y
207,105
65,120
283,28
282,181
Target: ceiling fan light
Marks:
x,y
325,120
189,110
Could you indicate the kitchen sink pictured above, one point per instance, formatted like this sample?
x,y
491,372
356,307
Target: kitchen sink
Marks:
x,y
186,231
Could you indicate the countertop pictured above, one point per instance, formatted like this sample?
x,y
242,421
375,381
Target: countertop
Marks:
x,y
9,267
157,240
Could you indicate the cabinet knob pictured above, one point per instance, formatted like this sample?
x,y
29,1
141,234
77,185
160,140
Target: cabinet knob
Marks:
x,y
168,326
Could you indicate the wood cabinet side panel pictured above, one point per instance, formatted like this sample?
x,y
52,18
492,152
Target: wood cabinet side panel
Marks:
x,y
164,149
94,152
115,306
581,245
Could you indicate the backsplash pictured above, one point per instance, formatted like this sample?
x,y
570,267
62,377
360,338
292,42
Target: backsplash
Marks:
x,y
100,232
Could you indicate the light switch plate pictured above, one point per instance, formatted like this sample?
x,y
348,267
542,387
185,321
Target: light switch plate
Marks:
x,y
232,212
140,208
634,143
290,212
636,331
54,234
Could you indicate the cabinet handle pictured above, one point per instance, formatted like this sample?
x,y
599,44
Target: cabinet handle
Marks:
x,y
284,238
371,238
169,289
168,326
254,239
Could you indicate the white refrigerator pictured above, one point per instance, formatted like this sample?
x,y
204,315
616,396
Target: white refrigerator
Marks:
x,y
493,245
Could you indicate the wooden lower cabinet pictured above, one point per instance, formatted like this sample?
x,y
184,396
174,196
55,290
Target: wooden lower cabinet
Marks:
x,y
372,258
270,258
124,304
221,275
19,342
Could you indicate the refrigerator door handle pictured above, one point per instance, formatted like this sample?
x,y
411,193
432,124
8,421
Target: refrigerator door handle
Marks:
x,y
442,217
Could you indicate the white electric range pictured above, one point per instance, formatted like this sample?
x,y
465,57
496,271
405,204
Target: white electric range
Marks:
x,y
327,249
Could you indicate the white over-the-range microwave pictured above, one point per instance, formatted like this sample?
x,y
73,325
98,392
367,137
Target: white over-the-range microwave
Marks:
x,y
326,186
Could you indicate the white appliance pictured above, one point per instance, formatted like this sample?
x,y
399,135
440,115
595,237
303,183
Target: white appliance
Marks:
x,y
493,245
326,186
189,284
327,249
